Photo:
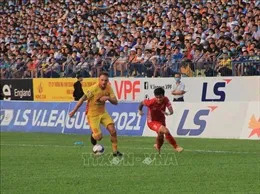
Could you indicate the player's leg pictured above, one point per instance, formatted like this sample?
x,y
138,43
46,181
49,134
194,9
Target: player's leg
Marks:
x,y
113,137
108,122
94,124
170,138
92,140
159,141
155,126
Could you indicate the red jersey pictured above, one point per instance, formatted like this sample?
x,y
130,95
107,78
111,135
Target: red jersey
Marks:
x,y
155,110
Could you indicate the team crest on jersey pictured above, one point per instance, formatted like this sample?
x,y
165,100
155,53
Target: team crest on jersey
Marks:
x,y
89,94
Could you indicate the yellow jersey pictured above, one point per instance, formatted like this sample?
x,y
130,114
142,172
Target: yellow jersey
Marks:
x,y
93,93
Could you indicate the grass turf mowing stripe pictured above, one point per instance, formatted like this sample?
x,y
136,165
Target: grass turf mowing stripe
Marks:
x,y
133,148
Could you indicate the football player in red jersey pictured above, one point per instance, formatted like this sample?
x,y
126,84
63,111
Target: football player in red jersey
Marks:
x,y
156,118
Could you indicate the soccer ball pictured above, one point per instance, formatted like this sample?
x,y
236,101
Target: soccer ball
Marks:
x,y
98,149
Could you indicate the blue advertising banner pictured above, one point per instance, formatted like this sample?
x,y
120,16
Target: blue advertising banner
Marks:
x,y
52,117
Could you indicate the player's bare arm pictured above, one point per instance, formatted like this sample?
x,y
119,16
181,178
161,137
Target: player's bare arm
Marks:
x,y
79,103
112,100
140,108
170,109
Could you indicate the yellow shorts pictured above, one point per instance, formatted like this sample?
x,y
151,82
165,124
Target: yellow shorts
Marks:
x,y
95,121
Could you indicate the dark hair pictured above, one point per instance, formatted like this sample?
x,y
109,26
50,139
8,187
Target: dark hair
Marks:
x,y
104,73
159,91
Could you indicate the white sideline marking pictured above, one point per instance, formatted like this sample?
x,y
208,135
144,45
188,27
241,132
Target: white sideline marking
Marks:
x,y
132,148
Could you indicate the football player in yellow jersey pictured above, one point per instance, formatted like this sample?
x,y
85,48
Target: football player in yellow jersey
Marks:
x,y
96,97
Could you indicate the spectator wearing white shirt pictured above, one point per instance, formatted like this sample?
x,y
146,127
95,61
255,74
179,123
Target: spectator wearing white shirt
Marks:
x,y
120,65
178,91
256,32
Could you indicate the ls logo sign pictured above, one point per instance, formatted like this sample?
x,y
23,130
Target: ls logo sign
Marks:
x,y
216,90
197,120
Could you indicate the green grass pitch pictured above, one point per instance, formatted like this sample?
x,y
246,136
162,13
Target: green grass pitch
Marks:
x,y
51,163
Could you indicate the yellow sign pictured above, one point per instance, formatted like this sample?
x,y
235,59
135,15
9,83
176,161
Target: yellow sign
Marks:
x,y
57,89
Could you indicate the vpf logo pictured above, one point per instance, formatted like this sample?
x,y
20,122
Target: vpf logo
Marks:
x,y
197,120
217,90
254,124
6,117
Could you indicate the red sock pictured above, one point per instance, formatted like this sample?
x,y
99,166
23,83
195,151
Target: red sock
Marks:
x,y
171,140
159,141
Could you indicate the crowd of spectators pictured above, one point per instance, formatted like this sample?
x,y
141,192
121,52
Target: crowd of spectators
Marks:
x,y
56,38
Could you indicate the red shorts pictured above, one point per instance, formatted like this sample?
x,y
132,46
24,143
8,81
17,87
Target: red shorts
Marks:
x,y
155,125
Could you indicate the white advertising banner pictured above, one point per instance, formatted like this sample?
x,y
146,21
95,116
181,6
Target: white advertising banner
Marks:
x,y
198,89
213,120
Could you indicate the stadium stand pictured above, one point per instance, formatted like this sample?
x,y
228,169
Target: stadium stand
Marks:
x,y
150,38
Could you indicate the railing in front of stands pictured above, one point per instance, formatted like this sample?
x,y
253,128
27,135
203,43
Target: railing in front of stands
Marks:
x,y
121,67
